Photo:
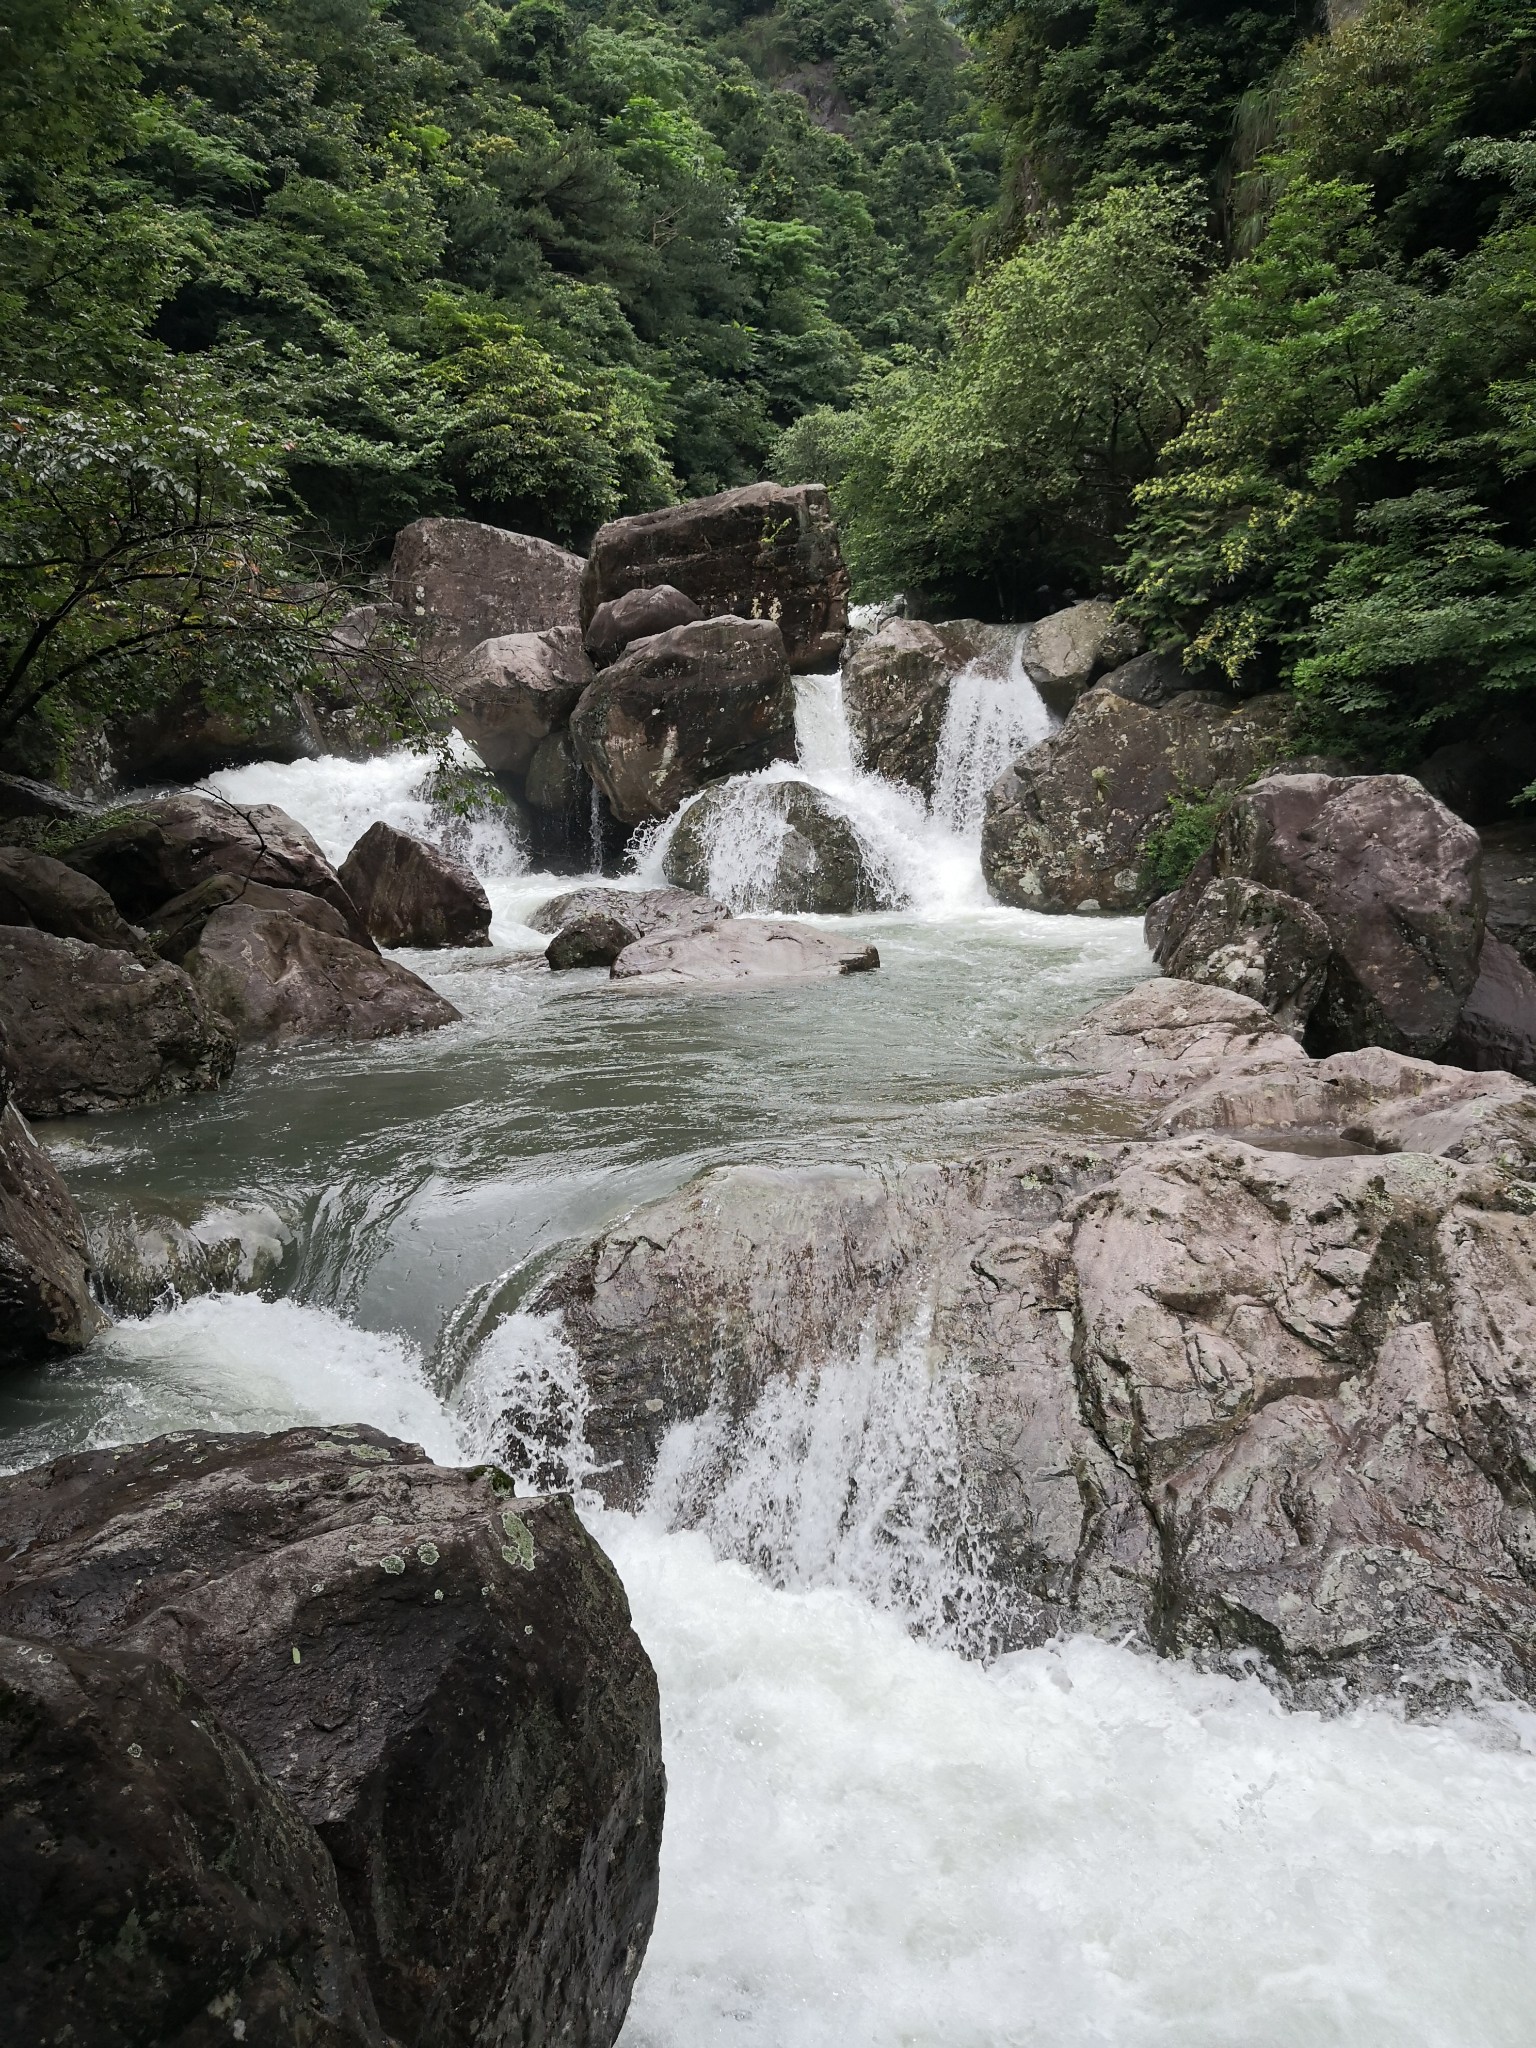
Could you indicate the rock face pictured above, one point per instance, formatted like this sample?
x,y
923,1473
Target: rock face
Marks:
x,y
895,692
147,1259
1237,1399
177,926
461,583
411,894
1066,651
1254,940
42,892
745,950
23,797
93,1029
440,1678
684,708
764,551
635,616
592,927
45,1276
813,860
158,1888
1497,1025
1394,876
271,979
185,740
1066,826
512,693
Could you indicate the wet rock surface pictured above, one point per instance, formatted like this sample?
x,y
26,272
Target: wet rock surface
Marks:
x,y
747,949
146,1259
512,693
438,1677
93,1028
635,616
817,862
270,978
45,1263
157,1888
459,582
1509,881
413,894
763,551
1497,1025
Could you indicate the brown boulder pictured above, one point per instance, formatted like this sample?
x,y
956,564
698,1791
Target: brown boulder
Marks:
x,y
271,979
684,708
412,894
460,583
1254,940
441,1678
515,692
763,551
176,927
37,890
92,1029
635,616
1497,1025
45,1265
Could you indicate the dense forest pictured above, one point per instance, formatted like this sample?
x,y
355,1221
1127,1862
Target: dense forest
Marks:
x,y
1223,307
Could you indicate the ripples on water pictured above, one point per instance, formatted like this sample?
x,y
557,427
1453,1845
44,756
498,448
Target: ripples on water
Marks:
x,y
870,1840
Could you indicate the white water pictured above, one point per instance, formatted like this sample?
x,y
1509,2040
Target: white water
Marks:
x,y
993,715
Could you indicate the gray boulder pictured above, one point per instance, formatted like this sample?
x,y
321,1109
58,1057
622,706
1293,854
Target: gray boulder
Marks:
x,y
1066,827
1067,650
815,860
515,692
895,692
270,979
440,1678
1260,943
96,1029
743,951
45,1264
460,583
39,891
684,708
592,927
1497,1025
1152,679
412,894
763,551
147,1258
157,1888
635,616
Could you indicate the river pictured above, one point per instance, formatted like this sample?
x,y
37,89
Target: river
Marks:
x,y
870,1839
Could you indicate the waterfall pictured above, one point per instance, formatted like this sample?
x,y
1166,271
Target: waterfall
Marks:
x,y
994,714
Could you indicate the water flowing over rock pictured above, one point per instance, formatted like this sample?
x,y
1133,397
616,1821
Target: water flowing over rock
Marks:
x,y
412,894
45,1276
512,693
763,551
271,979
157,1888
635,616
763,844
745,950
592,927
438,1676
1067,650
1257,941
1066,827
684,708
146,1258
92,1028
39,891
460,583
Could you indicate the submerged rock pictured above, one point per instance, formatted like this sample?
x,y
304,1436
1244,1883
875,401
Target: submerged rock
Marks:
x,y
271,979
413,894
147,1259
439,1677
810,858
45,1265
744,950
592,927
157,1888
459,583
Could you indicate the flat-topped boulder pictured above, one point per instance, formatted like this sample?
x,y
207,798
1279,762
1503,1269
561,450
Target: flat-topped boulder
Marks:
x,y
812,860
683,708
762,551
413,894
744,951
592,927
512,693
458,583
271,979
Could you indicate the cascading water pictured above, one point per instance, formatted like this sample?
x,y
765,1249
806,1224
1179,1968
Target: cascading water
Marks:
x,y
994,714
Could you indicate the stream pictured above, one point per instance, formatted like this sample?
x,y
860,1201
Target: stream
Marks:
x,y
870,1838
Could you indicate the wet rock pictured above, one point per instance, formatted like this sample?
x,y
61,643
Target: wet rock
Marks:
x,y
45,1266
146,855
440,1677
98,1029
1497,1025
1260,943
158,1889
1153,679
412,894
185,739
176,927
1509,880
557,785
21,796
513,693
1394,876
147,1259
813,860
1066,651
271,979
39,891
895,693
592,927
1066,826
684,708
745,950
763,551
635,616
461,583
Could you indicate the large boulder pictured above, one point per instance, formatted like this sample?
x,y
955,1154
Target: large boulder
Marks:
x,y
412,894
746,950
1497,1025
24,798
684,708
185,739
763,551
514,692
1152,679
40,891
592,927
774,846
271,979
1241,936
157,1888
45,1264
460,583
635,616
98,1029
1067,650
895,693
439,1677
1066,827
177,926
1395,877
